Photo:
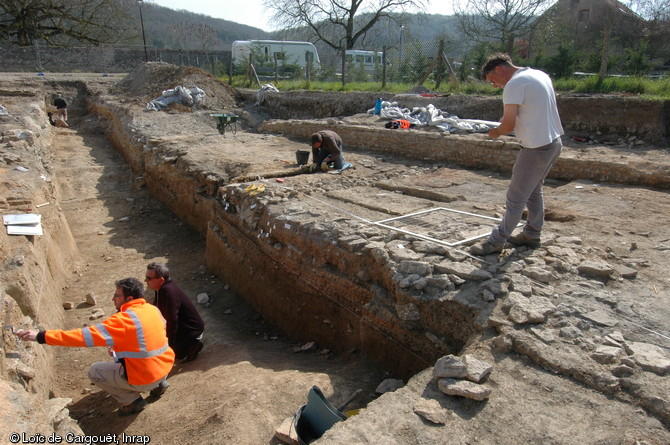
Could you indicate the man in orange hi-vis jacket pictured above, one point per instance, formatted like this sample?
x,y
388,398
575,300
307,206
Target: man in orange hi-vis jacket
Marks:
x,y
135,337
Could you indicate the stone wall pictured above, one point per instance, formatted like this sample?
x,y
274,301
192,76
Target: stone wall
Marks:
x,y
34,269
583,115
470,151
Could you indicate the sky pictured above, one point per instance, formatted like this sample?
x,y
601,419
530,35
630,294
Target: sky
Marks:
x,y
252,12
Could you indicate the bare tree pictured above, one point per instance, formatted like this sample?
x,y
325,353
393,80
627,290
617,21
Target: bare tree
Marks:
x,y
181,33
657,16
205,35
498,21
61,22
336,22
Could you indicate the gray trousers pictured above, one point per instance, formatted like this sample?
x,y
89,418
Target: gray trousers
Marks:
x,y
525,190
110,377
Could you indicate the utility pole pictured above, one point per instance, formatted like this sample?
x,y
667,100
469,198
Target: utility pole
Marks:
x,y
144,38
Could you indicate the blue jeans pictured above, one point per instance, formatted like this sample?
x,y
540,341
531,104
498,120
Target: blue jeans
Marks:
x,y
525,190
319,155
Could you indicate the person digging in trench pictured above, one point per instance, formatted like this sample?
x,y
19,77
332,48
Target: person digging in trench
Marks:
x,y
327,148
61,113
135,337
530,110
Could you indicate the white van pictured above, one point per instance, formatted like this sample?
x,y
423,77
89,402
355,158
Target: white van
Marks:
x,y
289,52
367,59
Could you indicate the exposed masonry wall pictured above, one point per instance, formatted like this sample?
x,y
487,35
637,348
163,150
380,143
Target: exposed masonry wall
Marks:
x,y
35,269
469,151
591,116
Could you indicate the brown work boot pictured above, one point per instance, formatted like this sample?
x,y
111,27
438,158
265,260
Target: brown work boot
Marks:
x,y
160,389
521,239
193,352
135,407
485,248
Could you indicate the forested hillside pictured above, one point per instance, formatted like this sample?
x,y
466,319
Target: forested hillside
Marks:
x,y
167,28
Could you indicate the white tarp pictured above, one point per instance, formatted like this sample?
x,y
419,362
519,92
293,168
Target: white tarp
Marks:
x,y
264,92
186,96
433,116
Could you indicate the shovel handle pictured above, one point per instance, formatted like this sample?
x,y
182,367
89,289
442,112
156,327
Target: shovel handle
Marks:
x,y
349,400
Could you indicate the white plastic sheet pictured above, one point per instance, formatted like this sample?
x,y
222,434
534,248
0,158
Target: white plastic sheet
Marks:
x,y
264,91
186,96
433,116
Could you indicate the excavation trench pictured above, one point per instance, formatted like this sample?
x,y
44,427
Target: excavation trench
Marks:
x,y
304,252
308,259
310,271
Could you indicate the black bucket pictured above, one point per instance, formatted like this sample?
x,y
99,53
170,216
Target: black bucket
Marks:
x,y
302,157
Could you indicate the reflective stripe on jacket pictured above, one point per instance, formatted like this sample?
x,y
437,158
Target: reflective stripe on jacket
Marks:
x,y
137,335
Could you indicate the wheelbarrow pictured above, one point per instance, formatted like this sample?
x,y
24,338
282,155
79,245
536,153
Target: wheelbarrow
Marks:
x,y
314,418
226,120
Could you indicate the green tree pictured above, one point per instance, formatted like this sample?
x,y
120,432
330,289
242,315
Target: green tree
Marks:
x,y
563,63
62,22
636,60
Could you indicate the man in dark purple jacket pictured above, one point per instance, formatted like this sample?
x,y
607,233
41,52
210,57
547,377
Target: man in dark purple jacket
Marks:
x,y
184,325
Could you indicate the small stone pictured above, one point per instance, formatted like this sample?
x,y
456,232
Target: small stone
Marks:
x,y
90,299
503,343
464,388
450,366
569,332
595,269
616,336
389,385
607,354
287,432
408,312
623,371
202,298
649,357
309,346
24,371
96,314
67,305
488,296
531,310
477,370
431,410
625,271
602,318
543,334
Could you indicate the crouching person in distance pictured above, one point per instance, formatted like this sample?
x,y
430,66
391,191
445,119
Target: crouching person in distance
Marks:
x,y
135,337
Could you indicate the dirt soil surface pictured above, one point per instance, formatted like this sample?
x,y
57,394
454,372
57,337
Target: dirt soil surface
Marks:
x,y
249,377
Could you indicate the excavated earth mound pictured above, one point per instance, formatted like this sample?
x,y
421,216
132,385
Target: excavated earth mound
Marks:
x,y
149,80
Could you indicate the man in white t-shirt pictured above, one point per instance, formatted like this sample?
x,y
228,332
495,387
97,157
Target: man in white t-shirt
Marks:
x,y
530,111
